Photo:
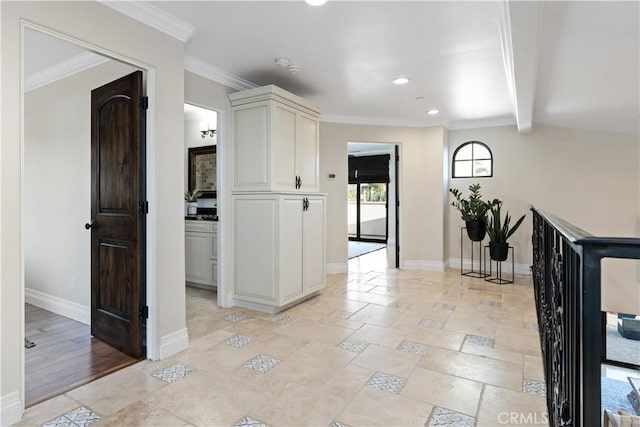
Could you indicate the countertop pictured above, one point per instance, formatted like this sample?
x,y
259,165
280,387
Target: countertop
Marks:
x,y
202,218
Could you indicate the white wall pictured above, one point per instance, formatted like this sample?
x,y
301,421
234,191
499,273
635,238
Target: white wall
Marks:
x,y
421,196
106,29
57,186
587,178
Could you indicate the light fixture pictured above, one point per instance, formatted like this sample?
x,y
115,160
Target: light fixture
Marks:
x,y
433,111
209,132
315,2
400,80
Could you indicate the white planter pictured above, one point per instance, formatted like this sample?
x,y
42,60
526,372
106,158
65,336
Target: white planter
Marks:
x,y
191,208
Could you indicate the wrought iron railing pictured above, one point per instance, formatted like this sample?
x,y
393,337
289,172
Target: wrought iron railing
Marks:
x,y
567,283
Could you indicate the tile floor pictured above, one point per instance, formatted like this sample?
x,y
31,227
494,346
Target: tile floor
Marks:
x,y
378,346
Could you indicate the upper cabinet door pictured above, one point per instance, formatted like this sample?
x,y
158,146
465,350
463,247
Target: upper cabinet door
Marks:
x,y
275,141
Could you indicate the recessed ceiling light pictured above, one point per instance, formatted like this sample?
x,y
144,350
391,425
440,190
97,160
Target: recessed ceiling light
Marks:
x,y
400,80
433,111
316,2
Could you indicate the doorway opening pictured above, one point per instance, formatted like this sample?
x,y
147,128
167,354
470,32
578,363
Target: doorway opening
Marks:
x,y
60,351
372,200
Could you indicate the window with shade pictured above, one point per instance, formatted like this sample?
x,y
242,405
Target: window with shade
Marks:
x,y
472,159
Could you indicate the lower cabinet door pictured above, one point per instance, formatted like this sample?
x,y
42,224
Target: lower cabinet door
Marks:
x,y
314,245
197,261
290,262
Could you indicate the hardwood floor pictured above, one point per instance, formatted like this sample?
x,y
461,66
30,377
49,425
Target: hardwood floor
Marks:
x,y
65,355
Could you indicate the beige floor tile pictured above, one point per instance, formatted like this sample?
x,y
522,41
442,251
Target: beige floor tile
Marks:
x,y
220,357
375,314
437,337
141,414
492,353
390,361
207,341
313,331
370,298
48,410
203,399
278,345
297,405
330,355
254,327
347,381
372,407
505,407
305,370
533,369
387,337
469,325
109,394
456,394
476,368
521,340
202,325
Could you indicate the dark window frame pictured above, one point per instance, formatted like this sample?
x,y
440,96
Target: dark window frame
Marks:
x,y
473,158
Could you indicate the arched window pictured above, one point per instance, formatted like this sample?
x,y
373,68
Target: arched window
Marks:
x,y
472,159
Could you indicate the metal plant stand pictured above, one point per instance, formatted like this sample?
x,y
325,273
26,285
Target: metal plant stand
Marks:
x,y
480,273
498,278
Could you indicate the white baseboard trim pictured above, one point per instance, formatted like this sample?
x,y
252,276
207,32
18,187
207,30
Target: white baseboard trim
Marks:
x,y
337,267
10,409
63,307
418,264
521,269
174,343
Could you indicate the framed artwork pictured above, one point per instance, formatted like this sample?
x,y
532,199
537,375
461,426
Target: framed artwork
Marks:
x,y
202,170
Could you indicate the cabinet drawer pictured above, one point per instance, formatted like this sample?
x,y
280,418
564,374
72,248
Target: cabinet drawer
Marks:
x,y
200,226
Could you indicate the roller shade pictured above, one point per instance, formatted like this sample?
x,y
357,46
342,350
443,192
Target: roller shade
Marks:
x,y
369,169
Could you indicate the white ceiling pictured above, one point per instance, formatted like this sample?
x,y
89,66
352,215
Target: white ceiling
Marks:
x,y
573,64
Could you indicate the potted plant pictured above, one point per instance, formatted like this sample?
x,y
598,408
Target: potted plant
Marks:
x,y
191,199
499,231
473,211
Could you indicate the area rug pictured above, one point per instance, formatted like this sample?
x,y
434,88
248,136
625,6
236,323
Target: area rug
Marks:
x,y
614,396
360,248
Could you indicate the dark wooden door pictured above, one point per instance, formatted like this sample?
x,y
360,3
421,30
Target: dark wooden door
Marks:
x,y
118,214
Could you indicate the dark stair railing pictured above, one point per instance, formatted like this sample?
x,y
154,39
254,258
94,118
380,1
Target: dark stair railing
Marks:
x,y
567,285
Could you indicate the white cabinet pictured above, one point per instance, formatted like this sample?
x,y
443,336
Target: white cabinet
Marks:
x,y
276,138
279,247
201,253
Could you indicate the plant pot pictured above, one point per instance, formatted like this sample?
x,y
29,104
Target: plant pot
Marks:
x,y
192,208
476,230
499,251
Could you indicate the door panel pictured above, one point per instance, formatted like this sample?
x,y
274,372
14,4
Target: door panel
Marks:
x,y
314,245
290,248
307,152
117,237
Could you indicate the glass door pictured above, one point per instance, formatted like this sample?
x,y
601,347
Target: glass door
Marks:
x,y
367,212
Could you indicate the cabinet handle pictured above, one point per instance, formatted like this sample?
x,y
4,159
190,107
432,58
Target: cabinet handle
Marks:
x,y
90,225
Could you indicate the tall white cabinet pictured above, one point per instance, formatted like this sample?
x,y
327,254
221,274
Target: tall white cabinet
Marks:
x,y
279,225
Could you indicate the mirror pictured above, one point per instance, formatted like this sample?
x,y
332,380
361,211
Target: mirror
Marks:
x,y
202,170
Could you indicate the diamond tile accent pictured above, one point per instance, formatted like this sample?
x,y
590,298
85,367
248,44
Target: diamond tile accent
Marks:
x,y
282,318
431,324
400,305
173,372
262,363
491,303
238,340
444,306
195,300
442,417
235,317
387,382
249,422
453,294
413,347
353,345
315,303
534,387
79,417
341,314
335,423
478,341
528,325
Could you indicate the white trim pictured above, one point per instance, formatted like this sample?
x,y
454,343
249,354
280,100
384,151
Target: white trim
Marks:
x,y
73,310
174,343
372,121
482,123
418,264
520,269
154,17
63,69
10,409
216,74
337,268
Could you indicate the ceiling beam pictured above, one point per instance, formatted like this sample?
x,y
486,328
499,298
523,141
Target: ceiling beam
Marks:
x,y
520,35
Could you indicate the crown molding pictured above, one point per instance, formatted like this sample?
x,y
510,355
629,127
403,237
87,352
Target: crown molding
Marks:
x,y
153,17
218,75
372,121
63,69
482,123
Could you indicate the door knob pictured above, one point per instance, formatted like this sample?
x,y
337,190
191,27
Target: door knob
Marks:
x,y
89,225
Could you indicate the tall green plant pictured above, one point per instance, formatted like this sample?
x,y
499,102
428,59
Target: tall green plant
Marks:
x,y
192,196
473,209
499,231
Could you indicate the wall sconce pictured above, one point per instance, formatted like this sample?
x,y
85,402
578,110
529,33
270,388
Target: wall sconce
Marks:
x,y
209,132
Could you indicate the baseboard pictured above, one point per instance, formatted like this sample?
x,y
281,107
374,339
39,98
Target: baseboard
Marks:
x,y
418,264
10,409
337,267
521,269
174,343
59,306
